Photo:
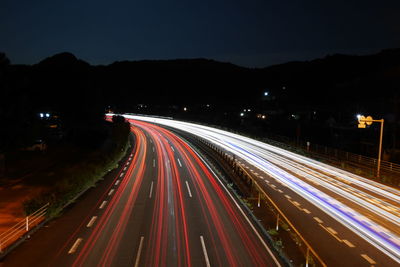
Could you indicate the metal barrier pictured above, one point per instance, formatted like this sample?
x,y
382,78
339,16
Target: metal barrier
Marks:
x,y
310,252
21,228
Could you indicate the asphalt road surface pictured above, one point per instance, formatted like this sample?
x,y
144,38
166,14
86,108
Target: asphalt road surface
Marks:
x,y
164,207
347,219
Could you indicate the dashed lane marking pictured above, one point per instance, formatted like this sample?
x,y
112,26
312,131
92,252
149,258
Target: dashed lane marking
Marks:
x,y
75,246
111,191
348,243
318,220
91,222
103,204
365,256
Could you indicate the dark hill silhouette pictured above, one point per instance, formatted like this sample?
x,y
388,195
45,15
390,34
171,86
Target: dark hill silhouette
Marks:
x,y
80,91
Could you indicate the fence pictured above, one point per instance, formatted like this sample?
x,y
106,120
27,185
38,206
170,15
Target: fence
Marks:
x,y
310,255
21,228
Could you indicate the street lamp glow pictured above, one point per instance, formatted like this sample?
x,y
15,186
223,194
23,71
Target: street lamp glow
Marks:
x,y
41,115
241,114
358,116
47,115
185,109
265,93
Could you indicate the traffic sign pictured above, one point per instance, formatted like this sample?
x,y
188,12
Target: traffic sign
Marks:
x,y
368,120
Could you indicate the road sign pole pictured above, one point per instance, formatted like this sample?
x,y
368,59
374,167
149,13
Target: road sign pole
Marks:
x,y
380,149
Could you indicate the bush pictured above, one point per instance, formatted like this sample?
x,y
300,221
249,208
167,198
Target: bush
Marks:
x,y
84,175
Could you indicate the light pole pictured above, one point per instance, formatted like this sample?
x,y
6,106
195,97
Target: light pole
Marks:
x,y
368,121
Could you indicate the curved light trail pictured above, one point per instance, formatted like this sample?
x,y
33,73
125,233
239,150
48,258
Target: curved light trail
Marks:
x,y
369,209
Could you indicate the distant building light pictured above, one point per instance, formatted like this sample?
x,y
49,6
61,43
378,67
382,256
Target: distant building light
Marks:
x,y
185,109
263,116
47,115
265,93
244,110
208,105
249,110
241,114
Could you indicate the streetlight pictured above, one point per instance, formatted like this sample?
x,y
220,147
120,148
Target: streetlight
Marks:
x,y
368,121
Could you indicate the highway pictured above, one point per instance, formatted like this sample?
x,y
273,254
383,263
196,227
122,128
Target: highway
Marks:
x,y
346,218
164,207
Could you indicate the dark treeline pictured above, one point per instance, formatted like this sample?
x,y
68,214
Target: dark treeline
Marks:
x,y
322,93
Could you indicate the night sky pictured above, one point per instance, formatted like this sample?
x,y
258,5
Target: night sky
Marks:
x,y
251,33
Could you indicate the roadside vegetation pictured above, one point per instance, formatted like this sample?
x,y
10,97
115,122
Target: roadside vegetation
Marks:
x,y
67,181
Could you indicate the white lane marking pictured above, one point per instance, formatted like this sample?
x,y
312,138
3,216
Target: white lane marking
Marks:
x,y
91,222
205,251
151,141
287,196
125,168
179,163
347,242
331,232
151,189
307,211
111,191
153,148
154,163
75,246
330,229
139,252
103,204
365,256
172,149
122,174
117,182
241,211
188,188
318,220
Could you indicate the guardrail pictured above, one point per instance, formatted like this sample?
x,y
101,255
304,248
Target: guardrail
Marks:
x,y
310,253
21,228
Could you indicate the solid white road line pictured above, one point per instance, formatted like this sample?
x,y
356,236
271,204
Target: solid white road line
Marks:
x,y
91,222
188,188
75,246
139,252
241,211
103,204
179,163
151,189
205,251
365,256
111,191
